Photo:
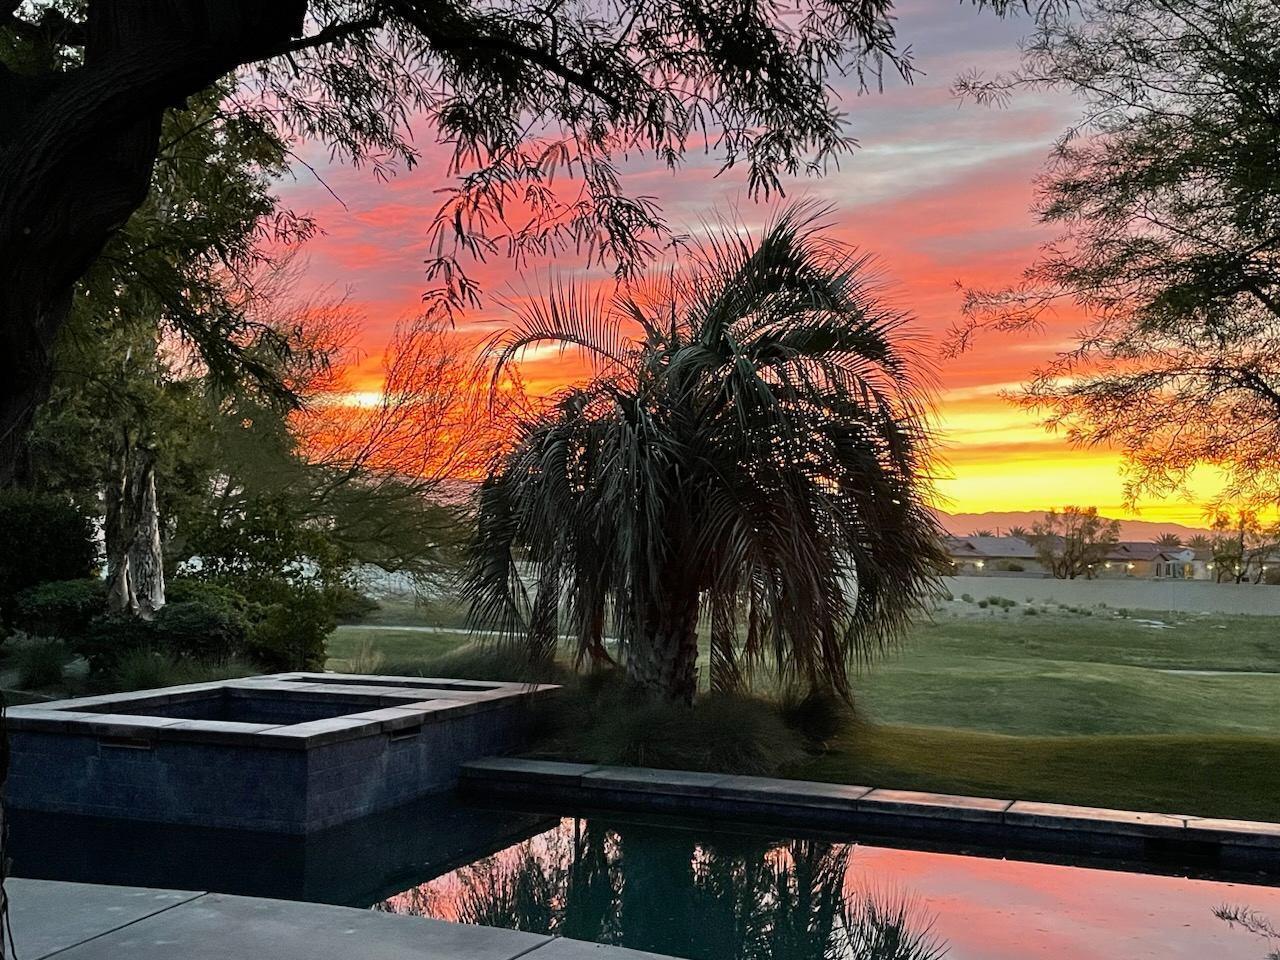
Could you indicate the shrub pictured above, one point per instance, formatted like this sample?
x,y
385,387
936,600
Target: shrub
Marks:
x,y
40,663
43,537
983,604
191,590
290,633
1030,612
111,637
347,604
602,722
818,715
60,608
148,669
967,597
200,630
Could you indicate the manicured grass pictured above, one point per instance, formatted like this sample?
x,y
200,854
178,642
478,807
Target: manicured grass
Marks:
x,y
1059,706
1066,674
1223,776
397,646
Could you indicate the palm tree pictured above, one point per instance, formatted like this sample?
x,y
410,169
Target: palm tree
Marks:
x,y
1168,540
984,533
1200,542
1022,533
757,452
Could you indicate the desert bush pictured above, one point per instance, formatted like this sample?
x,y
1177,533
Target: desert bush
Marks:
x,y
601,721
144,669
349,605
208,592
43,537
110,637
967,597
983,604
290,632
817,714
200,630
40,662
59,608
1030,612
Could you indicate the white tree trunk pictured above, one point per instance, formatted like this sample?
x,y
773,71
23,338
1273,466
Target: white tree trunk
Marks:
x,y
135,564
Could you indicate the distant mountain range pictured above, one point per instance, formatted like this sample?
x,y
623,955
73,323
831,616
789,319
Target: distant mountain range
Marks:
x,y
964,524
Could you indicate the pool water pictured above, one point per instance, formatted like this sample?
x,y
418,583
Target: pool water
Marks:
x,y
706,895
693,890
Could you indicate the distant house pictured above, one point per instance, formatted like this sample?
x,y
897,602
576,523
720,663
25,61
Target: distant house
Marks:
x,y
993,556
1130,559
1127,560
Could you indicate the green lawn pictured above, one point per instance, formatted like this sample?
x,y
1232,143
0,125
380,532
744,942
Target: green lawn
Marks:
x,y
1058,706
1067,674
396,645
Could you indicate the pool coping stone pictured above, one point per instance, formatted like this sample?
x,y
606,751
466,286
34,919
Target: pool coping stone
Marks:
x,y
844,806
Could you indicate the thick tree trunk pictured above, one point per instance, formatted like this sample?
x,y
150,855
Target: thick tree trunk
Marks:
x,y
76,155
663,659
135,562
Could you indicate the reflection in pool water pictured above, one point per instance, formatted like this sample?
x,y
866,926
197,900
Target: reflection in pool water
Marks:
x,y
711,896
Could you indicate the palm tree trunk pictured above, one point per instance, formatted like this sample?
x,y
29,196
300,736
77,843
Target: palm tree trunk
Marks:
x,y
544,624
663,660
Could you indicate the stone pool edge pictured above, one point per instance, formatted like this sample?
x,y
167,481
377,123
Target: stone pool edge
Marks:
x,y
1251,845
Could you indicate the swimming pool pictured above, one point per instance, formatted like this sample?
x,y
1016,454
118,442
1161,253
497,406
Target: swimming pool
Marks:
x,y
707,894
688,889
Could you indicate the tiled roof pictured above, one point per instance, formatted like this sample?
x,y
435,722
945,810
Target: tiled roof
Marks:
x,y
1012,548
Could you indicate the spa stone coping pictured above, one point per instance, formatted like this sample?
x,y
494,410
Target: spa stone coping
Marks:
x,y
722,794
393,704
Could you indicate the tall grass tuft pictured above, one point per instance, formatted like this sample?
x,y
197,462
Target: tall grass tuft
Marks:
x,y
40,663
146,669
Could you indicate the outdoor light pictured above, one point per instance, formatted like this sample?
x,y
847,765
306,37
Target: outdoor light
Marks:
x,y
1129,566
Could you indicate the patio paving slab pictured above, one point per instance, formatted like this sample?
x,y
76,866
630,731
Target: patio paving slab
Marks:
x,y
83,921
48,916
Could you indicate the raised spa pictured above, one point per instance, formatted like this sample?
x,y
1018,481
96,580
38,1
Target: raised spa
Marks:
x,y
290,753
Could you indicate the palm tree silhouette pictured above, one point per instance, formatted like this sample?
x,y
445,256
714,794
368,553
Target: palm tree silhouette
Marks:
x,y
757,452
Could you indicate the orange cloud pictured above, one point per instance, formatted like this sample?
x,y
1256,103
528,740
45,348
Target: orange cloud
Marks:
x,y
940,192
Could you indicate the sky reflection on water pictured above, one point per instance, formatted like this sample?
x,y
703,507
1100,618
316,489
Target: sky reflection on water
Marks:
x,y
709,897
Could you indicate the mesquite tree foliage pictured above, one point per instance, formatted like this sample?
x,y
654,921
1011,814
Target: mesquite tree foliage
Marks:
x,y
535,102
752,449
1168,195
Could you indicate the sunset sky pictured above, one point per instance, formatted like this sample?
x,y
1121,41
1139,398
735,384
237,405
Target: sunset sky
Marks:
x,y
939,191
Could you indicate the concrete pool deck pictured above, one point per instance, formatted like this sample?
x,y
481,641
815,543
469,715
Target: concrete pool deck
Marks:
x,y
80,921
1010,824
